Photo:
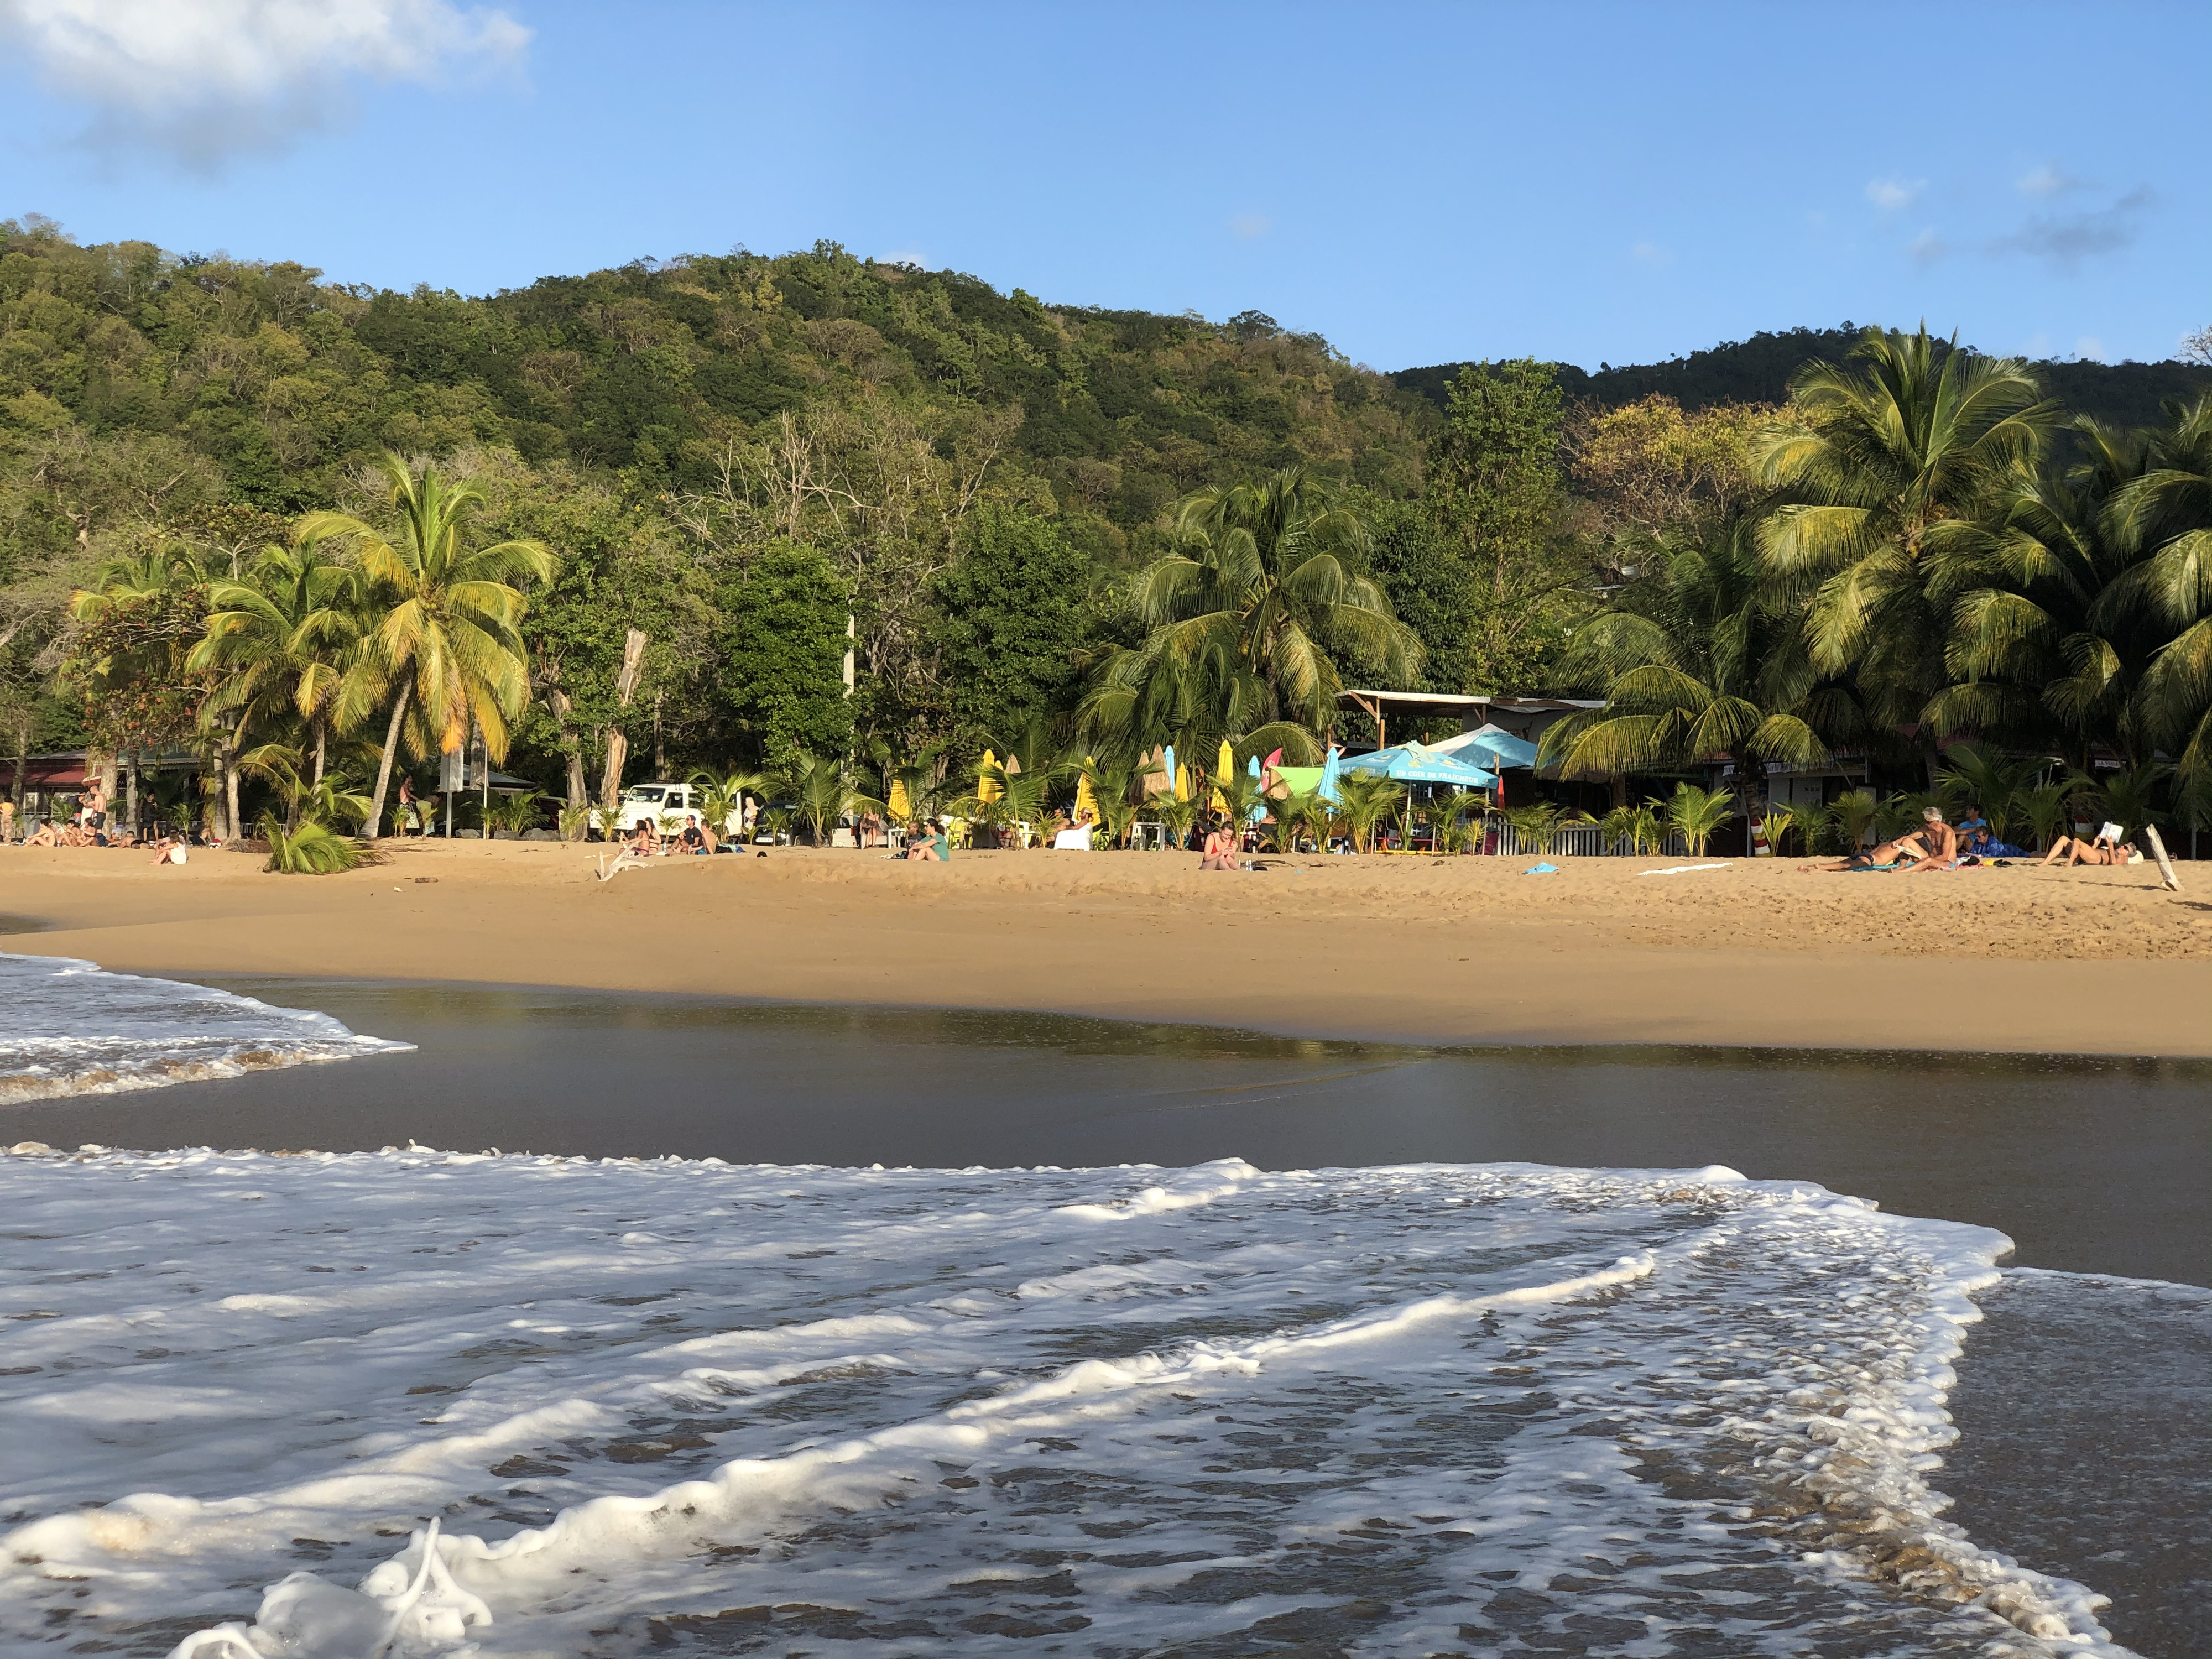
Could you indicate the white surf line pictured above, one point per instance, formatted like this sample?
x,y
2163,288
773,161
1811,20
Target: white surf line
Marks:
x,y
303,1613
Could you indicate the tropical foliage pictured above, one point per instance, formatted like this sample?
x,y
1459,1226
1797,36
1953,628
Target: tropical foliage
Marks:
x,y
731,511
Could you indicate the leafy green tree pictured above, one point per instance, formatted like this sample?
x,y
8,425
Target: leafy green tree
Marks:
x,y
445,618
1497,486
783,652
1012,616
1423,570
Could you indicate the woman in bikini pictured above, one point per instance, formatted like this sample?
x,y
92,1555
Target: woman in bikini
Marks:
x,y
2075,850
1220,852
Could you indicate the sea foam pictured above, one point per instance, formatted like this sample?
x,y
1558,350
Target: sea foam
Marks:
x,y
72,1028
439,1403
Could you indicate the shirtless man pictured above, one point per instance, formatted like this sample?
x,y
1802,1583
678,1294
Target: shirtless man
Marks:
x,y
1933,846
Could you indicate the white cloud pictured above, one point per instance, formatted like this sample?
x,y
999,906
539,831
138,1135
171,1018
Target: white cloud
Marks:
x,y
1251,225
2045,181
1927,248
206,79
914,257
2089,349
1650,253
1891,194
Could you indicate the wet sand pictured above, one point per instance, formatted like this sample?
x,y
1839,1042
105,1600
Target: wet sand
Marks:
x,y
2023,960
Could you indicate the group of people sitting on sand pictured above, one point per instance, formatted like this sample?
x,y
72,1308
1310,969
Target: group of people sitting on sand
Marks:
x,y
88,826
1938,845
645,841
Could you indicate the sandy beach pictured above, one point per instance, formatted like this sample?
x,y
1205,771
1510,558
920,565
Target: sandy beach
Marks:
x,y
2020,960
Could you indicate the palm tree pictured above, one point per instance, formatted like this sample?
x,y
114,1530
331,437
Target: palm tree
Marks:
x,y
1364,801
1114,786
281,637
1695,813
1536,824
1693,666
2047,808
1017,789
1981,775
1248,617
819,789
2049,638
722,796
445,636
2165,517
1881,474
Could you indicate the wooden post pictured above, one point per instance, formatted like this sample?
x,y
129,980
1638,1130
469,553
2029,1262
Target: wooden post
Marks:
x,y
2165,864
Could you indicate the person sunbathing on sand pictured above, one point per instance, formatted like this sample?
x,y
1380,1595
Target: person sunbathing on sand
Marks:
x,y
2107,848
168,850
47,836
1220,852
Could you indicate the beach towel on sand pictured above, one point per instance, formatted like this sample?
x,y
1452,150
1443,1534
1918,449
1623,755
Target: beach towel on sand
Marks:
x,y
1541,870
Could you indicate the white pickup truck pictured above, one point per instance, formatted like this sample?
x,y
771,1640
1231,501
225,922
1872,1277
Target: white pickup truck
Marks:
x,y
649,803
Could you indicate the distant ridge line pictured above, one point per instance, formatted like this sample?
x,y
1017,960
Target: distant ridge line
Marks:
x,y
1757,370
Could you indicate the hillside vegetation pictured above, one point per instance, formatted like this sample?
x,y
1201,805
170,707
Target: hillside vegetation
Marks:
x,y
849,525
1759,371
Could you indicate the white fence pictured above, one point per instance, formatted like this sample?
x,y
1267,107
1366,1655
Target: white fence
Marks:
x,y
1584,840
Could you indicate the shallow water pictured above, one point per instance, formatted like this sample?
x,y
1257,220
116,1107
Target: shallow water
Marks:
x,y
217,1350
2089,1165
683,1407
71,1029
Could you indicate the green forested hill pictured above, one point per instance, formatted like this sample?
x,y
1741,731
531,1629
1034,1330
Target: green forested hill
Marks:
x,y
279,380
719,448
1757,370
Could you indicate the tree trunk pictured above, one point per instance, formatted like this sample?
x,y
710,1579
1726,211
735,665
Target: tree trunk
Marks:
x,y
322,745
558,706
131,806
625,687
230,789
374,827
218,827
610,779
659,753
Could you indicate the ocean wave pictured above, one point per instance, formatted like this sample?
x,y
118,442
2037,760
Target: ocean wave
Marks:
x,y
72,1028
541,1405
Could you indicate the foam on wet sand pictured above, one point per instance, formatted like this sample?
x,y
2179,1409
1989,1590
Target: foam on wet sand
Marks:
x,y
689,1407
73,1029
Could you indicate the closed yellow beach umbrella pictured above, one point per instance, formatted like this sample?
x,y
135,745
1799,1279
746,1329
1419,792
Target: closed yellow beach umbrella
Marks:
x,y
899,806
1223,764
1182,782
1086,798
988,789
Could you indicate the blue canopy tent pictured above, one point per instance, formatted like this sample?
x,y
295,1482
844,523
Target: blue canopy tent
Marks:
x,y
1498,745
1417,764
1414,763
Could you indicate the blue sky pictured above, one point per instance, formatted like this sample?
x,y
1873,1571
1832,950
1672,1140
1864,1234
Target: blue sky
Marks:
x,y
1419,182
